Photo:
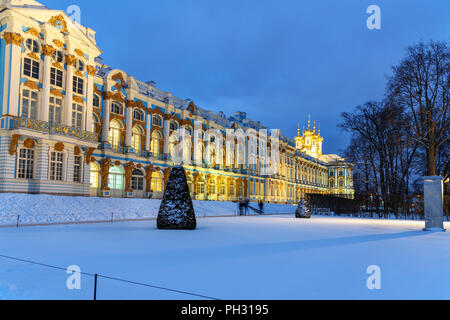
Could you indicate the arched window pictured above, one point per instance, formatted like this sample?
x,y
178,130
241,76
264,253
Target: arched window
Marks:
x,y
115,179
114,134
157,121
173,126
116,108
137,180
241,190
138,115
223,188
136,139
155,144
157,182
94,175
95,122
96,101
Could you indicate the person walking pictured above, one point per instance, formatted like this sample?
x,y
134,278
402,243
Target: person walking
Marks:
x,y
246,205
261,207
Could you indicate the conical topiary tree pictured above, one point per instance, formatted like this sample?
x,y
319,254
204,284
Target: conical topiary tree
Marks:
x,y
177,211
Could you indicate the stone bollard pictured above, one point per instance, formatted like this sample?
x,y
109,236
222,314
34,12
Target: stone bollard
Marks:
x,y
434,203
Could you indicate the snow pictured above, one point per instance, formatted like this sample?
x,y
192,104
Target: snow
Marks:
x,y
35,209
258,257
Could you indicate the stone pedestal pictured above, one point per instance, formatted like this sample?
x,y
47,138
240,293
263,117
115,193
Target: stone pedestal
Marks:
x,y
106,194
434,203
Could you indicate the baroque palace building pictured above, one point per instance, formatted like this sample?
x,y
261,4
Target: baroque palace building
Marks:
x,y
71,125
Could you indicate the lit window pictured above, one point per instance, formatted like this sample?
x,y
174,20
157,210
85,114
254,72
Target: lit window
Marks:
x,y
115,178
157,182
26,164
31,68
137,180
155,143
77,168
114,134
212,188
56,166
94,176
136,139
29,104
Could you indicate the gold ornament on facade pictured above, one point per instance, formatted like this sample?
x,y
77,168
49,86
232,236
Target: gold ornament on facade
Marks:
x,y
13,38
57,65
166,176
31,85
59,147
29,143
77,151
92,71
33,56
78,99
58,43
13,144
80,74
48,50
34,32
79,53
105,165
59,21
56,92
97,91
89,153
130,103
117,163
129,167
113,96
70,60
118,77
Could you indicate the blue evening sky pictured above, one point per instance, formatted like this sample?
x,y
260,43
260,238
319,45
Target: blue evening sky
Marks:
x,y
276,60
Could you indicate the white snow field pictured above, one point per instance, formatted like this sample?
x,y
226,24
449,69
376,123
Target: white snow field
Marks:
x,y
259,257
42,209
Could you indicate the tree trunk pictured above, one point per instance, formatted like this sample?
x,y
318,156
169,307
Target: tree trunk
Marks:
x,y
431,160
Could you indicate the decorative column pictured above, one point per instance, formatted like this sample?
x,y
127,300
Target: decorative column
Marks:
x,y
106,119
70,61
13,48
148,131
90,97
148,180
129,129
166,135
105,165
45,96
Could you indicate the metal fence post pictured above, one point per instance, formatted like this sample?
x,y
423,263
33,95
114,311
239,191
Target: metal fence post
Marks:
x,y
95,287
18,220
112,217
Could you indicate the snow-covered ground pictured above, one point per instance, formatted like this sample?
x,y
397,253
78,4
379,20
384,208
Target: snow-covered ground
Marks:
x,y
35,209
268,257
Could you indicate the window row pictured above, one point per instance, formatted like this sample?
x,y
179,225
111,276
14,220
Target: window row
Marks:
x,y
56,169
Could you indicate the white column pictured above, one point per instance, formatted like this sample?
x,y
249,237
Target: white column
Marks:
x,y
13,54
166,136
129,128
89,97
148,134
45,96
106,120
70,61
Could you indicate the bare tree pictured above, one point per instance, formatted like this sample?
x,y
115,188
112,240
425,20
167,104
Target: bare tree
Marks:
x,y
421,84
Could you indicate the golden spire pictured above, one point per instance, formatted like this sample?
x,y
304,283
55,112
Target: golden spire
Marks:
x,y
309,122
314,127
319,129
298,129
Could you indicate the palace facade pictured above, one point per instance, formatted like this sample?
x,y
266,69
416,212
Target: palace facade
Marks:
x,y
71,125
